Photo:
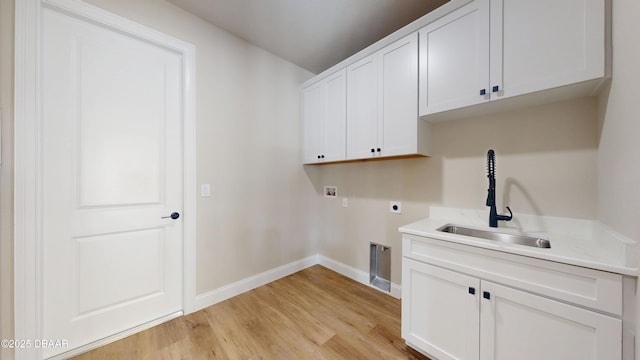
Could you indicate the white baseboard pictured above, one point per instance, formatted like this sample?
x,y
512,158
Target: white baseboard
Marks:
x,y
228,291
356,274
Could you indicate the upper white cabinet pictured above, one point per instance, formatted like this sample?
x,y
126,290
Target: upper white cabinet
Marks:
x,y
402,131
465,53
454,59
363,111
324,119
537,45
494,49
382,102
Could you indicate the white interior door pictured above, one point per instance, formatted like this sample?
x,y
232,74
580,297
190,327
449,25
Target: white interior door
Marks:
x,y
112,168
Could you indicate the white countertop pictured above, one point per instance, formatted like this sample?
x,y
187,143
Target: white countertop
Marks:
x,y
578,242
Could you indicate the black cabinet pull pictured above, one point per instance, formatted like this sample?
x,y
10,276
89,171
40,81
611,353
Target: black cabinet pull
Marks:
x,y
486,295
318,156
373,150
472,290
483,92
495,88
322,156
378,150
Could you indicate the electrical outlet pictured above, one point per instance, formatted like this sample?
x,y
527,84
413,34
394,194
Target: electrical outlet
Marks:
x,y
395,207
345,202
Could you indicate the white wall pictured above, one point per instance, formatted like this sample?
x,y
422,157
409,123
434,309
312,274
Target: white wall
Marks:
x,y
619,150
546,165
248,149
259,214
266,209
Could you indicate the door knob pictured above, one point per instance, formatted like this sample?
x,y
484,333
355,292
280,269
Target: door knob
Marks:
x,y
174,215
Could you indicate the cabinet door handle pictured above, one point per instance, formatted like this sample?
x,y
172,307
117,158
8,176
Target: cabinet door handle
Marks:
x,y
495,88
472,290
318,156
373,150
378,150
174,216
486,295
483,92
322,156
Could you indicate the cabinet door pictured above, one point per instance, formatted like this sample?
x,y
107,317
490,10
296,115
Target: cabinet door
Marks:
x,y
362,108
336,117
440,311
454,59
519,325
313,122
399,102
538,45
324,119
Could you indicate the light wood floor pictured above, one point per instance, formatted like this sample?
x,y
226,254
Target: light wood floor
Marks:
x,y
313,314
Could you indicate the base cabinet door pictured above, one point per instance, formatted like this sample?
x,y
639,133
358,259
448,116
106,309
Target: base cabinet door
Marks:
x,y
518,325
440,311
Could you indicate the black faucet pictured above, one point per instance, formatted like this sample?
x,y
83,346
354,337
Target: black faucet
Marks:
x,y
491,196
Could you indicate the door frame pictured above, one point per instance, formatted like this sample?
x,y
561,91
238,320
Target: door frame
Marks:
x,y
28,178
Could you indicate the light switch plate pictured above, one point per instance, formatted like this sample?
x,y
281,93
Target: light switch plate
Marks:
x,y
205,190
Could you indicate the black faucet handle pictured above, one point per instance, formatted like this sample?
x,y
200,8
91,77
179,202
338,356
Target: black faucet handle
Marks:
x,y
506,217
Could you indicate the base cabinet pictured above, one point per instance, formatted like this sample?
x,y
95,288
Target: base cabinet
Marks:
x,y
450,315
518,325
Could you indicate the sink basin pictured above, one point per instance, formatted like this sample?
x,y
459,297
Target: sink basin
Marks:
x,y
538,242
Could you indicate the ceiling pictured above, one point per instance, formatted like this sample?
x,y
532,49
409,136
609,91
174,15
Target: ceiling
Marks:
x,y
313,34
